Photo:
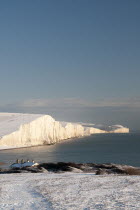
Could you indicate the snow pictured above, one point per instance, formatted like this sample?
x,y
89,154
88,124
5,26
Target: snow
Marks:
x,y
23,130
69,191
22,165
10,122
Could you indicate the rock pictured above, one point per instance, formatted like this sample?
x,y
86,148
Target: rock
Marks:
x,y
75,170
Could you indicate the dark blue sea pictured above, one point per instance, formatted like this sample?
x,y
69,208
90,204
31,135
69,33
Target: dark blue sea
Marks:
x,y
98,148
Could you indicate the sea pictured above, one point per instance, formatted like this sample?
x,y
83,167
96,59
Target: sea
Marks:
x,y
97,148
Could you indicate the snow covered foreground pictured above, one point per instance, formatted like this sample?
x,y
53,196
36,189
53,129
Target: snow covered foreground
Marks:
x,y
23,130
69,191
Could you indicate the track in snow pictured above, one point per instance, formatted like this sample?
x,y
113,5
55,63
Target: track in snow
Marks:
x,y
69,191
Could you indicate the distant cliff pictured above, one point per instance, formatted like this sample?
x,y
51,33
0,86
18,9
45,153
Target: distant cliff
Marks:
x,y
31,130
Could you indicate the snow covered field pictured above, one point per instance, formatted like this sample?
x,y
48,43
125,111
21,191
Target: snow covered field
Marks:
x,y
69,191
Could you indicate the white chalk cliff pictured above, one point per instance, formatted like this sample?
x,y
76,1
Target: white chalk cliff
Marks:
x,y
118,129
23,130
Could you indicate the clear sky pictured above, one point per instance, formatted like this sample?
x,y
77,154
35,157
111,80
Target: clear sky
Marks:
x,y
75,59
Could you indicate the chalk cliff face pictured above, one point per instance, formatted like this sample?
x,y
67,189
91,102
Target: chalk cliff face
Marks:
x,y
118,129
31,130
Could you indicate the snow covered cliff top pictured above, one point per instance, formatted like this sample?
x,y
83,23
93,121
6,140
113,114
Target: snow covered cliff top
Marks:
x,y
10,122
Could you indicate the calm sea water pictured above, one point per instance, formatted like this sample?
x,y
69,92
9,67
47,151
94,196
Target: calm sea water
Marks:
x,y
101,148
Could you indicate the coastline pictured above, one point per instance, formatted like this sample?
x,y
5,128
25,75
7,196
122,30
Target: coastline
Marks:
x,y
68,139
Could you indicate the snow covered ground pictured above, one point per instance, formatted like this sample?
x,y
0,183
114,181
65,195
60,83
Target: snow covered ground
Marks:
x,y
69,191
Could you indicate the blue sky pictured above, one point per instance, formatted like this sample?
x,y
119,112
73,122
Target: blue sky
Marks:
x,y
75,59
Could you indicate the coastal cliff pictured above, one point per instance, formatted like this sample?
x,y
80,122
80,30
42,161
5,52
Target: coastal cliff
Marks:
x,y
31,130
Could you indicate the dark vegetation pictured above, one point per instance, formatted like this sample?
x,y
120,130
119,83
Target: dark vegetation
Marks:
x,y
60,167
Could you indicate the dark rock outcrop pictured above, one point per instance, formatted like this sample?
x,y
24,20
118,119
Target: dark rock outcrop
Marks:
x,y
60,167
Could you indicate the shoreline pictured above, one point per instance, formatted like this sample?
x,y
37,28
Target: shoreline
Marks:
x,y
40,145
